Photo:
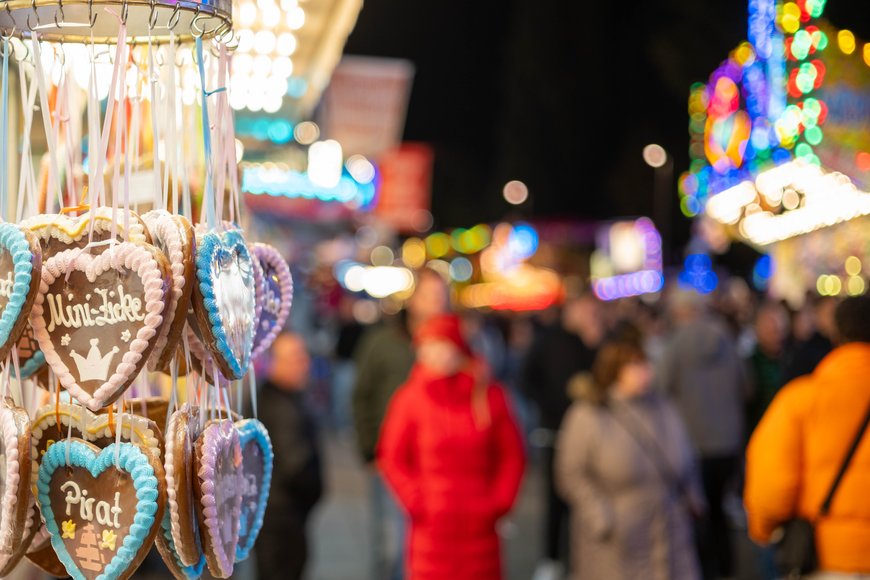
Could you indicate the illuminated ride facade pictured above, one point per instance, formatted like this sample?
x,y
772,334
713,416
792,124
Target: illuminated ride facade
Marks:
x,y
780,148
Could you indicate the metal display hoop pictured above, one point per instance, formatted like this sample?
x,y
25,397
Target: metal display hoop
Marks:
x,y
98,21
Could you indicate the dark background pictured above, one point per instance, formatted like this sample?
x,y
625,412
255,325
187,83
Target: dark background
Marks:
x,y
562,95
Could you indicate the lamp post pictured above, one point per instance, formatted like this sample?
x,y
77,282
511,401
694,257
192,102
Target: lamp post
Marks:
x,y
663,166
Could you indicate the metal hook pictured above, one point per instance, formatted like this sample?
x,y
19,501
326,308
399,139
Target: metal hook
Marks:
x,y
92,17
62,15
36,14
196,31
174,18
152,16
125,11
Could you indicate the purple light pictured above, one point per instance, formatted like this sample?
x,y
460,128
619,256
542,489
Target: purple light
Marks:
x,y
634,284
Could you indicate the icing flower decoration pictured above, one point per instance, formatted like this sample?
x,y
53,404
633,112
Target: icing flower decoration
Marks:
x,y
125,336
65,340
69,529
108,540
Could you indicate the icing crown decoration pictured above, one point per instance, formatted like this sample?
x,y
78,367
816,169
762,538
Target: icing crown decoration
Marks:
x,y
96,366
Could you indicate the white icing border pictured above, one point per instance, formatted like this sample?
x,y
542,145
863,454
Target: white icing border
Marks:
x,y
9,429
124,255
164,227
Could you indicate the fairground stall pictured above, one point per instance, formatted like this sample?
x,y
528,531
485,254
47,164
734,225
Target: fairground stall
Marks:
x,y
781,151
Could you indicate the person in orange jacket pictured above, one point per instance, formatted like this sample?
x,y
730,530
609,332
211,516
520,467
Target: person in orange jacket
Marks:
x,y
800,443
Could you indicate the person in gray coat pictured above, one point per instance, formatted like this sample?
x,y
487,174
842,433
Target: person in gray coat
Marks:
x,y
702,373
625,465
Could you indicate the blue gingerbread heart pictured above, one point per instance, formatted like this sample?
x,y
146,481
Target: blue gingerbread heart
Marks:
x,y
226,304
100,506
257,457
20,268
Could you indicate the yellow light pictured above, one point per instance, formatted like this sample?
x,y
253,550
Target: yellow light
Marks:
x,y
791,18
867,54
414,253
856,286
438,244
846,41
820,285
853,266
744,53
834,285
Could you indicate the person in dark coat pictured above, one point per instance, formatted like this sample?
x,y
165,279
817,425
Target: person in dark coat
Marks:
x,y
555,357
803,358
297,485
765,364
453,455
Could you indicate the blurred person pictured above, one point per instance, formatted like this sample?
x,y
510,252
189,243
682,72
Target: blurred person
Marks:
x,y
807,354
383,362
801,443
627,467
297,484
343,369
703,375
558,354
452,454
765,364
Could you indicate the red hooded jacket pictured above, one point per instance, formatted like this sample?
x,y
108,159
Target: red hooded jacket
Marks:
x,y
455,474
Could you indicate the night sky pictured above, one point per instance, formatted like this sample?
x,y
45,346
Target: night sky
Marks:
x,y
561,95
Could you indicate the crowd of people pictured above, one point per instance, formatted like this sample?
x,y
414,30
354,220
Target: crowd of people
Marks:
x,y
649,422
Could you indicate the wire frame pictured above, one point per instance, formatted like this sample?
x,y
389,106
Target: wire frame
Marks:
x,y
98,21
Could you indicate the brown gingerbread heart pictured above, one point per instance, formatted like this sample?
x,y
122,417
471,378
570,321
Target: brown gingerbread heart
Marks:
x,y
102,508
181,434
20,269
174,236
97,318
14,480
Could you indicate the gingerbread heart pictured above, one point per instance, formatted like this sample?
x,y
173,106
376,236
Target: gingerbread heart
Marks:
x,y
182,432
20,268
218,490
59,232
224,300
169,553
96,318
277,297
102,507
55,421
257,459
14,480
174,236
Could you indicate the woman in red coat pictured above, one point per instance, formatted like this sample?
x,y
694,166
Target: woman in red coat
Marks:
x,y
452,454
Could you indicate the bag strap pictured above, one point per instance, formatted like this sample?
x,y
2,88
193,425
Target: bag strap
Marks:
x,y
653,451
826,505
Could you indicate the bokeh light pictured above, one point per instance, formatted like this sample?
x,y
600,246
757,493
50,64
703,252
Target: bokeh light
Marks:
x,y
515,192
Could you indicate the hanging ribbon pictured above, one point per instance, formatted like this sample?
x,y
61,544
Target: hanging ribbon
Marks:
x,y
4,131
208,195
54,177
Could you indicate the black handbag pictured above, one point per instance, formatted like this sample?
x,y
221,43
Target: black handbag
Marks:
x,y
795,541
